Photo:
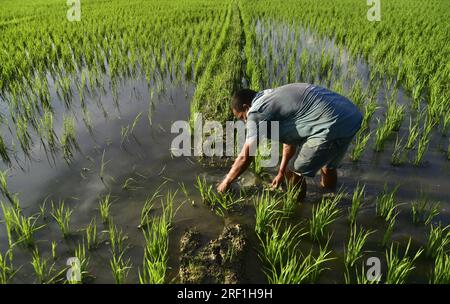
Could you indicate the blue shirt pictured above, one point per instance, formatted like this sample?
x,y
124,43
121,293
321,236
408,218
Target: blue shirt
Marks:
x,y
304,112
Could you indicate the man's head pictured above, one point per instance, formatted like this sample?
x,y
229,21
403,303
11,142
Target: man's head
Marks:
x,y
241,103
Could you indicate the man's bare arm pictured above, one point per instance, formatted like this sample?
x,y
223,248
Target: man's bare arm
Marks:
x,y
288,153
239,166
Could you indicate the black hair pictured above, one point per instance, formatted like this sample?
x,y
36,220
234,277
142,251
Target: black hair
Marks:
x,y
241,98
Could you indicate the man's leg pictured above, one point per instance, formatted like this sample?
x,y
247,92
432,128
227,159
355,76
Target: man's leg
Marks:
x,y
328,178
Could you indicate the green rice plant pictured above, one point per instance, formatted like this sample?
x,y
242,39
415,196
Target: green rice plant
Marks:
x,y
103,164
91,234
398,157
394,114
289,198
423,142
4,154
80,254
6,270
369,110
381,135
104,206
399,268
24,227
116,239
120,267
414,130
155,252
361,277
386,203
54,250
355,244
357,201
323,214
129,184
438,241
423,211
4,187
389,229
61,214
441,271
265,212
68,138
43,271
219,202
361,140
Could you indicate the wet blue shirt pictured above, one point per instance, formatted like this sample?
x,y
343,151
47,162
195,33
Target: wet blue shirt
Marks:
x,y
304,112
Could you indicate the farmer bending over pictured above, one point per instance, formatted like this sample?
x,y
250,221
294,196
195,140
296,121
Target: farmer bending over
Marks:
x,y
316,127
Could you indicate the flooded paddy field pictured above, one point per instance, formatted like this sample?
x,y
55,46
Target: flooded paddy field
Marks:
x,y
88,171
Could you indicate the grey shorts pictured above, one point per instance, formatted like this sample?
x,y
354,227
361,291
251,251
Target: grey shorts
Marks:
x,y
309,158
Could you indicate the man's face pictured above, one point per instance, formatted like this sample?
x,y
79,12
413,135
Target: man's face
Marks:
x,y
241,115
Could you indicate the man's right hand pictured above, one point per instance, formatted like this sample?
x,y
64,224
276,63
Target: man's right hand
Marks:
x,y
277,181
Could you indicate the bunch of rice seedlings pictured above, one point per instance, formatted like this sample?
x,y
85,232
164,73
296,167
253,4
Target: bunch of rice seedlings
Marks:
x,y
355,244
357,201
360,144
4,187
369,110
424,140
4,154
23,227
398,157
155,251
395,114
361,277
91,234
68,138
61,214
441,271
438,241
266,212
386,203
424,211
104,206
43,271
399,268
120,267
219,202
323,214
414,130
289,198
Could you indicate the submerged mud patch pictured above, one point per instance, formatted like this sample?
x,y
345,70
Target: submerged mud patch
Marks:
x,y
219,262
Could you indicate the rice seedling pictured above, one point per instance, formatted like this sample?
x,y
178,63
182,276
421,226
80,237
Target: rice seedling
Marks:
x,y
6,270
398,157
4,187
44,272
423,211
289,198
24,227
355,244
219,202
68,138
155,252
323,214
423,142
441,271
120,268
386,204
61,214
104,206
360,144
54,250
381,135
116,240
91,234
357,201
399,268
83,263
414,129
438,241
265,212
391,220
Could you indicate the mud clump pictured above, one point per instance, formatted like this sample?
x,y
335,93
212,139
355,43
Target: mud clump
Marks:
x,y
219,262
